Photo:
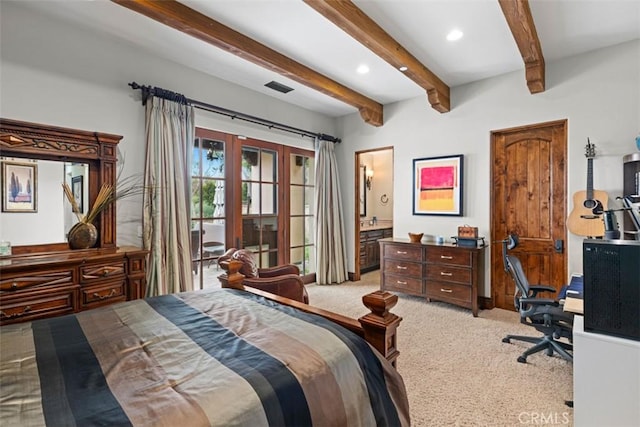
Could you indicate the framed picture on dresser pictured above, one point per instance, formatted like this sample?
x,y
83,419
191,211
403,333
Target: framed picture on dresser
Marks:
x,y
437,185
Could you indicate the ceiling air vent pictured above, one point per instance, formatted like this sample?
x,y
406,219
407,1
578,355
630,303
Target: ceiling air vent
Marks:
x,y
279,87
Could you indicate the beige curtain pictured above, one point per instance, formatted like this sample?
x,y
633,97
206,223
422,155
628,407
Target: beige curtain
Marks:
x,y
170,132
331,254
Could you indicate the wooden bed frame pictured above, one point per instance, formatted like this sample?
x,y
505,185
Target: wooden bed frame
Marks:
x,y
378,328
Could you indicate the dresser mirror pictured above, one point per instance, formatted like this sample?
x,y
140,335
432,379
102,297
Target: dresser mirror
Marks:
x,y
52,215
52,155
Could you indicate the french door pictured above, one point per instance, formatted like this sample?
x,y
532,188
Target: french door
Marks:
x,y
250,194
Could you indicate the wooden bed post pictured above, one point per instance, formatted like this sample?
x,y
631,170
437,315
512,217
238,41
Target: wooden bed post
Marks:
x,y
231,278
380,325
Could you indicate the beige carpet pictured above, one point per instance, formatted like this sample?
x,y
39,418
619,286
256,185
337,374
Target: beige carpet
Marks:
x,y
456,369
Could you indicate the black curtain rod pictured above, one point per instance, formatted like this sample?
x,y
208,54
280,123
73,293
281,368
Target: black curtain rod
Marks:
x,y
148,91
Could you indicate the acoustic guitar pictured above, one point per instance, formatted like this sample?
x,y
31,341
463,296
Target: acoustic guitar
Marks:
x,y
586,217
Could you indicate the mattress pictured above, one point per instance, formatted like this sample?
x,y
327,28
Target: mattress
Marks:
x,y
214,357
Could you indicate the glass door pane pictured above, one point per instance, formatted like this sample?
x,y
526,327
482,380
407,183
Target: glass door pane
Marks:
x,y
301,212
207,209
260,226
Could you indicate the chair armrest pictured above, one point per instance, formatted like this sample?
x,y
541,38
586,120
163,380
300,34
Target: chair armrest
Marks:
x,y
539,301
542,288
278,271
288,286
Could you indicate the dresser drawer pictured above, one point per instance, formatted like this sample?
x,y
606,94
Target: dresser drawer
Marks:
x,y
403,268
92,273
447,273
455,256
35,280
105,293
46,303
403,284
371,235
403,252
449,292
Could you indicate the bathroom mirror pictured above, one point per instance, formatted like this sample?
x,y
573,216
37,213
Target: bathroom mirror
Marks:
x,y
363,190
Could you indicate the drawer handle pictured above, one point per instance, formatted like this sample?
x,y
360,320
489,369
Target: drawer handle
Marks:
x,y
399,282
401,252
400,267
446,257
101,297
446,290
17,314
444,273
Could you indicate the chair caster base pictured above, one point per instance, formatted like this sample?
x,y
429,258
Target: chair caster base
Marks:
x,y
522,359
507,340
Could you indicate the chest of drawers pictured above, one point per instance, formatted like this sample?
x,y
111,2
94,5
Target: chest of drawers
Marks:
x,y
57,283
437,272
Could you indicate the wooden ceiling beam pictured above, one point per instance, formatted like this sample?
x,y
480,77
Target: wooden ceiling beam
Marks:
x,y
358,25
194,23
520,21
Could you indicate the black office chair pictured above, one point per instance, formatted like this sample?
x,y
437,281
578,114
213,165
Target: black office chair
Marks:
x,y
544,314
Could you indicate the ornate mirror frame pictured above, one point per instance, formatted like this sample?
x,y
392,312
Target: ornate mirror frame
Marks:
x,y
98,150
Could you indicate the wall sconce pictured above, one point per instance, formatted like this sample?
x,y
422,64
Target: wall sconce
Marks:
x,y
369,178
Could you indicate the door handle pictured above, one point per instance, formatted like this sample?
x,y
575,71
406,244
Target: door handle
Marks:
x,y
558,245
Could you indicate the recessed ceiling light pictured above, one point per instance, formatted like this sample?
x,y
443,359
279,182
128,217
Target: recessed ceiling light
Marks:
x,y
362,69
403,68
454,35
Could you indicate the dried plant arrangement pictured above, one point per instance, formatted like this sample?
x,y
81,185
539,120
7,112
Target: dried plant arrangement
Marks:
x,y
108,194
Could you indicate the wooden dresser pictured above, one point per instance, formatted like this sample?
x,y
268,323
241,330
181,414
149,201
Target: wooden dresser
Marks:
x,y
47,279
442,272
51,284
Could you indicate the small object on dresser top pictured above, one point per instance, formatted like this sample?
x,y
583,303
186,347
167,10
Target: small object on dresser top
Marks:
x,y
415,237
439,240
468,232
5,248
477,242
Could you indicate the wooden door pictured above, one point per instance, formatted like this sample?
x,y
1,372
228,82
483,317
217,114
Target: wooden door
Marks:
x,y
528,198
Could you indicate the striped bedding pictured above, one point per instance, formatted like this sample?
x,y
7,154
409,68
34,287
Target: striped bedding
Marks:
x,y
215,357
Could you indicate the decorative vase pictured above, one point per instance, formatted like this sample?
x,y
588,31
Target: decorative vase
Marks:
x,y
82,236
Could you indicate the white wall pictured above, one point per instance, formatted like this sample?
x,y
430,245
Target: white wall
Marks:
x,y
54,74
598,92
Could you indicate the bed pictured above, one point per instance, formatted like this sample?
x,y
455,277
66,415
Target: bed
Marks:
x,y
214,357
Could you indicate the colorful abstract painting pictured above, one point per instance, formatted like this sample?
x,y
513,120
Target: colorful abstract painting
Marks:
x,y
437,186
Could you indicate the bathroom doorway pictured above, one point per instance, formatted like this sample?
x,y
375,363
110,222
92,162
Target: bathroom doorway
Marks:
x,y
373,206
